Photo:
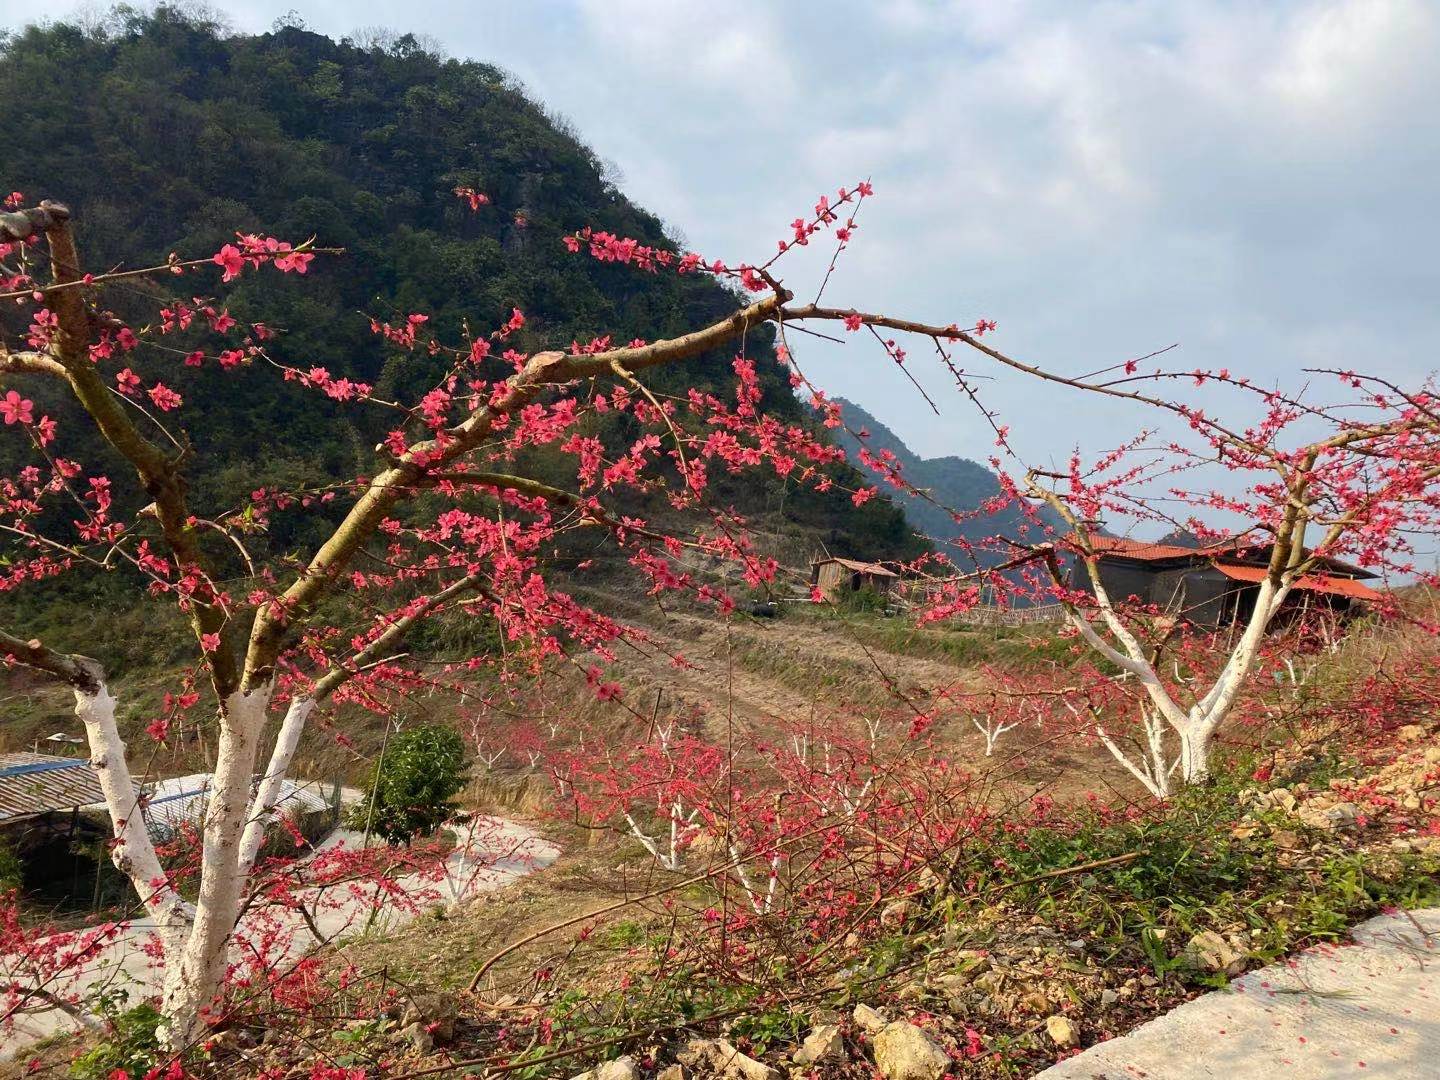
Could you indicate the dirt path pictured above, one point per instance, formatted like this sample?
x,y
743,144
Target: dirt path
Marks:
x,y
780,671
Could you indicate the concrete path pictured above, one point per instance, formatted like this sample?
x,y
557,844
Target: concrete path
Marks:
x,y
1368,1010
489,853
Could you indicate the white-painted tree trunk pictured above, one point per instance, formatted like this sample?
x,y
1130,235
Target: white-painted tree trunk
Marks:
x,y
992,729
193,983
1194,727
133,852
761,902
681,829
267,793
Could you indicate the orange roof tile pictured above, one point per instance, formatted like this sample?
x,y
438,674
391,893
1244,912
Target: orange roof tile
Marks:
x,y
1126,548
1340,586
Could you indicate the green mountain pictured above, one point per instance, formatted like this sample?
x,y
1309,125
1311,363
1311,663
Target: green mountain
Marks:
x,y
953,484
164,133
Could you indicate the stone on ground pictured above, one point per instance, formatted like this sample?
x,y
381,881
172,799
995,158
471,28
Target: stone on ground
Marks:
x,y
868,1019
622,1068
718,1057
1062,1032
1208,951
822,1044
904,1052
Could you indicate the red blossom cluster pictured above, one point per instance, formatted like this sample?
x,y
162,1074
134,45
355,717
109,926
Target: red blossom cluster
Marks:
x,y
256,251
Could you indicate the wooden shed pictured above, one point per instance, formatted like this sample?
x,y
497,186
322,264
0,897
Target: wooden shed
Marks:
x,y
835,577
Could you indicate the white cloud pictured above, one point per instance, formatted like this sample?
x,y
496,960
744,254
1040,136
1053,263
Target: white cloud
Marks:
x,y
734,55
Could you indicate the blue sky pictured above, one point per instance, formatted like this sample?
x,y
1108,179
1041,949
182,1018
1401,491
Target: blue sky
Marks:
x,y
1253,181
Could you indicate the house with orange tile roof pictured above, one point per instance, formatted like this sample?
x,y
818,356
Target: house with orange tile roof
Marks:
x,y
1215,585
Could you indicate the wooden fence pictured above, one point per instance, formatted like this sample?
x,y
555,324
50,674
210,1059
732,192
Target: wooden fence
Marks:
x,y
1006,616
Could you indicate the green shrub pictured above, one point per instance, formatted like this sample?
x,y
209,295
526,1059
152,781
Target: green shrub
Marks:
x,y
131,1043
12,874
412,784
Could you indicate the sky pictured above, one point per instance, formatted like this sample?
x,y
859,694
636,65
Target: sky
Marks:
x,y
1255,182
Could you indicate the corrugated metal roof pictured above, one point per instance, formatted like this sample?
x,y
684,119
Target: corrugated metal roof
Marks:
x,y
181,800
1340,586
32,784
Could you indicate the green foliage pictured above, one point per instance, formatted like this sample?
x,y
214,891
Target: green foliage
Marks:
x,y
411,787
864,600
1184,868
130,1044
12,874
770,1025
1016,648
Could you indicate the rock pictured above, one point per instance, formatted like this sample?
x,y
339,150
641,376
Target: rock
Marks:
x,y
720,1057
1108,997
1410,733
1287,839
1341,817
1209,951
622,1068
1036,1002
418,1037
671,1072
868,1019
822,1044
904,1052
235,1040
1076,946
436,1012
1432,754
955,983
1062,1032
990,980
897,913
1279,799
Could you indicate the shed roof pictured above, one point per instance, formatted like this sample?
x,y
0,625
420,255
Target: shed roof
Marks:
x,y
32,784
181,800
1142,551
1126,548
858,566
1340,586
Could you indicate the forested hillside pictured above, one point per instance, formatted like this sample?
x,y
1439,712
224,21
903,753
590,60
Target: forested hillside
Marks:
x,y
165,133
